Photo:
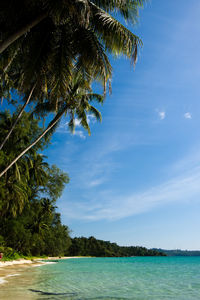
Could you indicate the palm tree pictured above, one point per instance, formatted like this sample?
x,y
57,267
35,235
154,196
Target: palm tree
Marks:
x,y
14,190
38,169
76,104
79,31
71,34
72,40
31,14
53,66
17,118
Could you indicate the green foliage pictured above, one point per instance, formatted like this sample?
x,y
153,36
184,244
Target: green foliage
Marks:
x,y
55,184
9,253
29,223
72,35
74,39
93,247
15,186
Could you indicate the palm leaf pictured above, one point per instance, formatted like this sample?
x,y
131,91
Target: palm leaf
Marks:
x,y
127,8
95,113
116,37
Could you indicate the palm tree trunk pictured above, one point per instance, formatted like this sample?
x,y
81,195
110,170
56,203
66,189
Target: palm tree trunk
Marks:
x,y
18,117
17,34
51,124
10,61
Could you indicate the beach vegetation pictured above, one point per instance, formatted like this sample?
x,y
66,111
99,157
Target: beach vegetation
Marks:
x,y
51,54
93,247
74,37
29,222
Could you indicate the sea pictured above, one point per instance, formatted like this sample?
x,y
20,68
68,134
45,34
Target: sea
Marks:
x,y
136,278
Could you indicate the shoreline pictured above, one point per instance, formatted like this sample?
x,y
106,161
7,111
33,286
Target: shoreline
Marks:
x,y
9,268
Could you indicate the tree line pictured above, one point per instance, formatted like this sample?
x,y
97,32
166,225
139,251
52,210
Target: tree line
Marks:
x,y
92,247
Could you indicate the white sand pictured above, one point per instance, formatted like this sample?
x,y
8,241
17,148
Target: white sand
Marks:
x,y
15,262
7,267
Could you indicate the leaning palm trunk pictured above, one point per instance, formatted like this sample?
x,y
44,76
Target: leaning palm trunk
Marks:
x,y
10,61
49,127
17,34
18,117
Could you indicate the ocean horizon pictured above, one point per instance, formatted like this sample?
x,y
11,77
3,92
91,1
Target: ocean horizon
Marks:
x,y
137,278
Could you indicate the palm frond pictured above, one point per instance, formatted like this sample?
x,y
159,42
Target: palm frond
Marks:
x,y
71,123
95,113
116,37
92,56
96,97
127,8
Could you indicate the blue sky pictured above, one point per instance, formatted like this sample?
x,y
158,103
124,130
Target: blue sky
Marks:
x,y
136,180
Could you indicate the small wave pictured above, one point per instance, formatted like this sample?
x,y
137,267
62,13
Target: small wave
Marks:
x,y
43,264
11,275
2,280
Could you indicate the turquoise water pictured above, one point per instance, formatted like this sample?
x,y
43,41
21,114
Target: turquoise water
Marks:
x,y
137,278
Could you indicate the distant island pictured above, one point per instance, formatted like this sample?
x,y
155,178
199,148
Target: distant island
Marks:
x,y
178,252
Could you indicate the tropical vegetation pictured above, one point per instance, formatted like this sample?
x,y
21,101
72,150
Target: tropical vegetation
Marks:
x,y
51,54
29,222
93,247
40,58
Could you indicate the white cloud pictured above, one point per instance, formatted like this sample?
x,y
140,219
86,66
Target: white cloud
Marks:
x,y
188,115
162,115
96,182
91,119
79,133
63,127
77,123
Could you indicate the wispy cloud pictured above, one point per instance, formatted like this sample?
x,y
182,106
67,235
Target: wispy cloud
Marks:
x,y
162,115
63,128
98,163
90,119
96,182
111,206
77,123
188,115
80,134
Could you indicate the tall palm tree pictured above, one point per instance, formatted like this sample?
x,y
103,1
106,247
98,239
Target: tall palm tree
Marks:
x,y
14,190
38,169
76,104
73,37
51,70
32,13
79,31
17,118
71,34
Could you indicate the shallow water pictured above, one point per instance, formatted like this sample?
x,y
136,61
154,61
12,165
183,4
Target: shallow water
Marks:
x,y
137,278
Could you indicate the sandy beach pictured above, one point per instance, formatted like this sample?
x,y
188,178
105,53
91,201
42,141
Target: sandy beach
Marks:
x,y
10,269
